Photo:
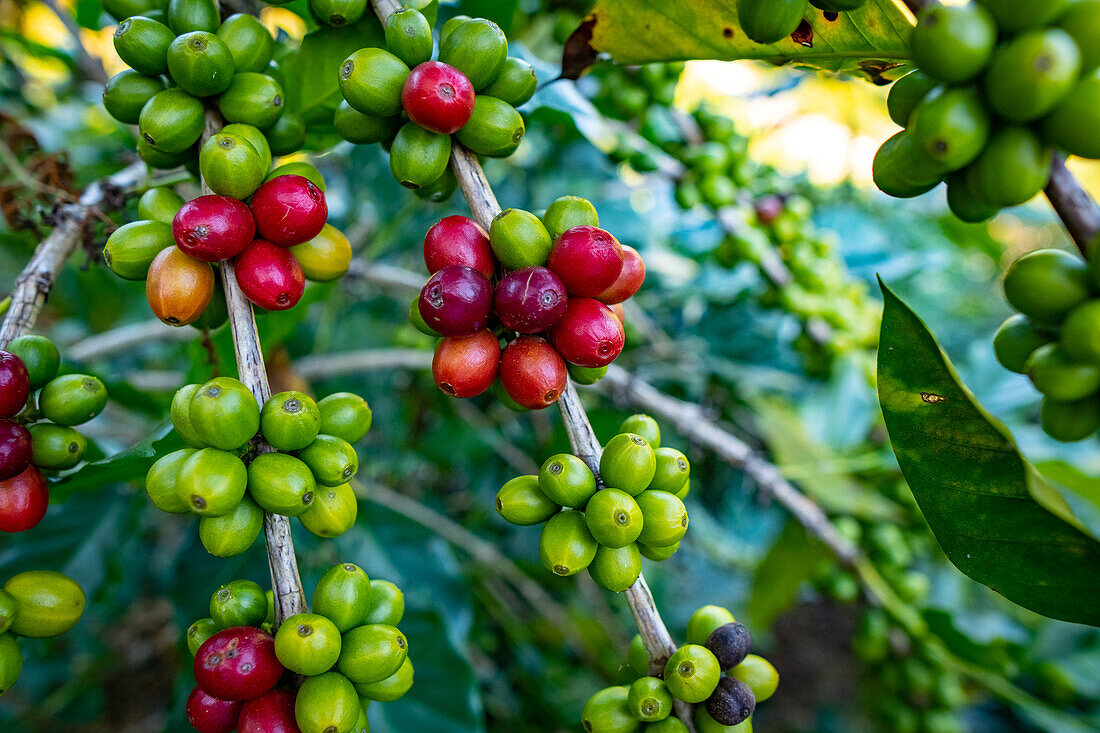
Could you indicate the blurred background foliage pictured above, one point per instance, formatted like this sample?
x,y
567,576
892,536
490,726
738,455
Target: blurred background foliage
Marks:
x,y
500,645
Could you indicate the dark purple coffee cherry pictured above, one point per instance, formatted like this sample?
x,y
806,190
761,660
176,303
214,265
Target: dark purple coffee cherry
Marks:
x,y
730,643
15,449
531,300
456,301
732,702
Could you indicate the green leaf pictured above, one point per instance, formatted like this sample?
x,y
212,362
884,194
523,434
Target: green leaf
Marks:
x,y
129,465
993,514
312,72
790,561
869,41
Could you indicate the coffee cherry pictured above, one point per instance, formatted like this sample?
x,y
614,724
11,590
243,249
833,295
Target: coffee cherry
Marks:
x,y
672,725
223,413
23,501
905,93
770,22
613,518
645,426
1047,284
1030,74
346,416
387,603
127,92
143,44
208,714
249,41
326,257
15,449
290,421
212,482
520,501
50,603
213,228
1082,21
1080,336
72,399
649,700
333,512
230,165
14,384
953,43
270,276
132,247
704,621
628,282
199,632
253,99
616,569
950,126
901,170
438,97
160,482
272,712
533,373
589,334
327,702
730,643
289,210
759,674
281,484
419,157
200,63
519,239
587,259
964,203
9,607
371,653
585,375
40,357
665,520
371,80
409,36
567,212
456,301
238,603
607,712
1070,421
516,83
457,240
476,47
567,480
566,547
1018,15
530,300
392,688
343,595
692,673
1059,378
1071,125
308,644
466,366
179,287
628,463
1013,168
672,470
231,534
332,460
732,702
237,664
55,447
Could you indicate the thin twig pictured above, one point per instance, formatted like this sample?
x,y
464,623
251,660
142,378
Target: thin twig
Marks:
x,y
92,68
1076,208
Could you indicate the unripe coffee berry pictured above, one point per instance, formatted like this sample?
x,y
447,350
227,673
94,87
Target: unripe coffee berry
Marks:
x,y
530,300
730,643
533,372
438,97
456,301
587,259
213,228
289,210
589,334
270,276
458,240
465,366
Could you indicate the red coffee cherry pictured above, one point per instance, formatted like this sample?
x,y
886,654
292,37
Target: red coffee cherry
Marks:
x,y
289,210
530,300
457,240
208,714
619,312
15,449
270,276
589,334
466,366
23,501
213,228
269,713
768,208
533,372
438,97
238,663
629,281
15,384
587,259
456,301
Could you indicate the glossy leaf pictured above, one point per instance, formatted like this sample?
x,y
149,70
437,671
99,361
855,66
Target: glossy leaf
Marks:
x,y
993,514
123,467
312,72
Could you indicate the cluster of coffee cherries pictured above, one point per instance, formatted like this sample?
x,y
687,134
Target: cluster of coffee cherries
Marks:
x,y
770,21
400,97
348,649
276,241
551,288
181,58
35,605
607,531
999,86
38,410
1055,338
229,481
724,703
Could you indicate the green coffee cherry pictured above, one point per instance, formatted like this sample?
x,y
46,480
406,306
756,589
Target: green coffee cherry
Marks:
x,y
200,63
253,99
9,607
332,460
1053,374
122,9
567,212
521,502
308,644
132,247
127,92
649,700
1070,421
665,519
450,25
637,656
199,632
409,36
171,122
608,712
515,84
39,355
372,653
326,703
906,93
1031,74
658,553
418,157
566,480
50,603
1072,124
1016,340
248,40
290,421
337,13
616,569
345,415
224,414
181,415
333,512
281,484
645,426
495,129
1082,21
759,674
212,482
953,43
1018,15
628,463
770,21
672,470
519,239
704,723
392,688
72,399
614,518
159,203
143,44
56,447
901,170
387,603
160,159
476,47
964,203
950,126
586,375
1012,169
256,139
11,662
185,16
363,129
675,725
439,190
160,482
238,603
684,490
371,80
566,547
343,595
704,621
231,534
1080,336
287,135
692,673
1047,284
230,165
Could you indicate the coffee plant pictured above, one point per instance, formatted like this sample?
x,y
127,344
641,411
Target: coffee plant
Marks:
x,y
626,247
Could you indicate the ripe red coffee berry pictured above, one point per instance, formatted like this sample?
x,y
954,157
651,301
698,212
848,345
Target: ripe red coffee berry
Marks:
x,y
458,240
208,714
289,210
456,301
15,449
213,228
15,384
587,259
438,97
466,366
238,663
589,334
272,712
768,208
629,280
533,372
530,300
270,276
23,501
